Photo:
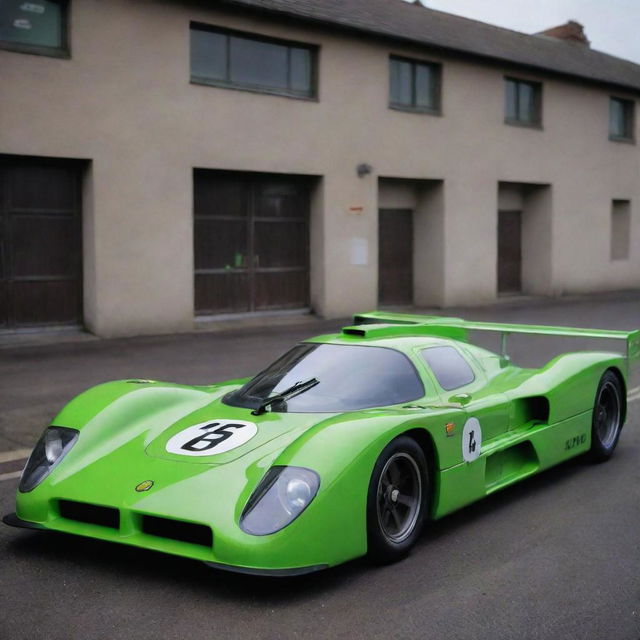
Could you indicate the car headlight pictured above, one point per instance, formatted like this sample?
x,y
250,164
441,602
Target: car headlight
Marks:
x,y
282,495
48,452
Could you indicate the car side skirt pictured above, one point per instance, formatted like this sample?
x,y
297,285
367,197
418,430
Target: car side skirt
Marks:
x,y
510,458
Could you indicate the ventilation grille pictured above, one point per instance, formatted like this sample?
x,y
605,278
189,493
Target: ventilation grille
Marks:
x,y
89,513
177,530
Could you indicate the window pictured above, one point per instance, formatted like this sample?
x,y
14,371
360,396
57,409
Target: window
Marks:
x,y
523,102
449,367
34,27
414,86
620,229
621,119
351,377
242,61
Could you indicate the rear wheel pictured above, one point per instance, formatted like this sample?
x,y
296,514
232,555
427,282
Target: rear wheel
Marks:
x,y
397,500
607,417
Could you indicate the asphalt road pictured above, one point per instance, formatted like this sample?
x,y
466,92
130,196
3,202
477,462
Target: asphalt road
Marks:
x,y
555,557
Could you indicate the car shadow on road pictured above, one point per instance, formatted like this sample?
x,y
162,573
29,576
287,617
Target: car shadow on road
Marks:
x,y
67,553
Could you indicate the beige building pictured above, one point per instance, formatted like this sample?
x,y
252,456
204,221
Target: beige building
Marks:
x,y
168,161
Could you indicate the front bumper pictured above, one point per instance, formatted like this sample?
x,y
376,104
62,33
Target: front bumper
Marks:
x,y
12,520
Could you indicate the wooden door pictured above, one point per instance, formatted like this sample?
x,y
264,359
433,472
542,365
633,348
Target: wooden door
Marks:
x,y
251,242
40,244
509,252
395,256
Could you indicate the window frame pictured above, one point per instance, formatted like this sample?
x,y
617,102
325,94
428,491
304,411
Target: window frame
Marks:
x,y
537,105
252,88
63,51
629,106
413,108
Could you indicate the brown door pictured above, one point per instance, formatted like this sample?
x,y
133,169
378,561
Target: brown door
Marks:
x,y
251,242
509,252
395,256
40,244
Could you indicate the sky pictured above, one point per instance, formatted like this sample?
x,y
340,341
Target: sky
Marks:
x,y
612,25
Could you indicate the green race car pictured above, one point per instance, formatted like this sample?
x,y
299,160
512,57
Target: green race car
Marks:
x,y
346,445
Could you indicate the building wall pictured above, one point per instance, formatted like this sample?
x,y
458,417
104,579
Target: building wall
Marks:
x,y
124,102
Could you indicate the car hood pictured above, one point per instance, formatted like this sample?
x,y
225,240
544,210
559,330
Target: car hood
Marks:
x,y
218,433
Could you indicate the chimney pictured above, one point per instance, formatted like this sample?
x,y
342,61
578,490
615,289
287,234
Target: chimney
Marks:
x,y
572,31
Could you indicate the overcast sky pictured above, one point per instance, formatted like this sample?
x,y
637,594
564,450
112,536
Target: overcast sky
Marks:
x,y
612,25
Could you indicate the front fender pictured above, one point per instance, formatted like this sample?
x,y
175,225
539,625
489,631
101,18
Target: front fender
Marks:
x,y
343,451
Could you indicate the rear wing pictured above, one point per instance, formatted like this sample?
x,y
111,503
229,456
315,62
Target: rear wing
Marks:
x,y
457,328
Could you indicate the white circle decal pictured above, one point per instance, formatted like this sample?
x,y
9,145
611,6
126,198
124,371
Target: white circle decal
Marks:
x,y
212,437
471,440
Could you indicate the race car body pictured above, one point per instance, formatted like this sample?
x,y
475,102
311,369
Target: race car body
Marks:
x,y
346,445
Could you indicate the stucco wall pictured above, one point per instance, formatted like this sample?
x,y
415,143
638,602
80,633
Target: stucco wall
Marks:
x,y
124,101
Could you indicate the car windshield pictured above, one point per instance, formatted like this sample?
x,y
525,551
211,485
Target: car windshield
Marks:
x,y
350,378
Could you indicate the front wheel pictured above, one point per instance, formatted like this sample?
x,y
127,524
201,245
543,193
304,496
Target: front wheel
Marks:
x,y
607,417
397,500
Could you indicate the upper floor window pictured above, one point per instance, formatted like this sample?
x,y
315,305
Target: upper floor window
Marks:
x,y
34,27
621,119
449,367
243,61
523,102
414,85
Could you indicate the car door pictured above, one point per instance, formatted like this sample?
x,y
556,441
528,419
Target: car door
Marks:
x,y
462,381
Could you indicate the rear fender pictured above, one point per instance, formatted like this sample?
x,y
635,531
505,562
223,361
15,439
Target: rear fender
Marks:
x,y
569,382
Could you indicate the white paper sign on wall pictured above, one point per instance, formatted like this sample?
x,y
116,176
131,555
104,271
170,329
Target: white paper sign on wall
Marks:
x,y
359,252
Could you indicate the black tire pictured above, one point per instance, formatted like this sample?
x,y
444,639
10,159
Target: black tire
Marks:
x,y
393,523
608,411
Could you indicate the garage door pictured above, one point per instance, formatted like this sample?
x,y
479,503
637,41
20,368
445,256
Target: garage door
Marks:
x,y
40,244
251,242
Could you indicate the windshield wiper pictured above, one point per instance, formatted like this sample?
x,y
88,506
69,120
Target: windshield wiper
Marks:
x,y
295,390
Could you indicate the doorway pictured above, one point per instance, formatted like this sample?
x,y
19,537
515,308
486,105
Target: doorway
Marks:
x,y
40,243
251,242
395,257
509,252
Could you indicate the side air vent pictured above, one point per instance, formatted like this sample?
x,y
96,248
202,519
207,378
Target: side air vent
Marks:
x,y
531,409
177,530
89,513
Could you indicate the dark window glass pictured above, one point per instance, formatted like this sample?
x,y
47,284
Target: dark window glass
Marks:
x,y
449,367
414,85
35,26
425,86
351,378
208,55
400,82
243,61
621,118
301,75
261,64
511,100
522,102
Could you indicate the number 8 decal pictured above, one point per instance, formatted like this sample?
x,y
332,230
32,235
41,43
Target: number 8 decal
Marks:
x,y
471,440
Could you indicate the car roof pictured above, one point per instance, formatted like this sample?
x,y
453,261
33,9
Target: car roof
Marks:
x,y
391,337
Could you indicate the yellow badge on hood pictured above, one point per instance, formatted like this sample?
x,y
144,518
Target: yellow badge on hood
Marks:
x,y
145,486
